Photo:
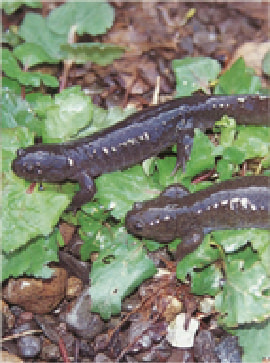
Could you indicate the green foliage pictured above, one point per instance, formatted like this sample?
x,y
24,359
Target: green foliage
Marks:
x,y
266,63
30,54
70,111
239,79
254,338
11,6
32,258
120,268
194,73
87,17
34,79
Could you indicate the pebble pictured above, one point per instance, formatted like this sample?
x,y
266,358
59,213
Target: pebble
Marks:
x,y
37,295
50,352
29,346
80,319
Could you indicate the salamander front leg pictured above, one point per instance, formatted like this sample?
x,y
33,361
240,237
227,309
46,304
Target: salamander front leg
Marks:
x,y
184,146
189,243
88,190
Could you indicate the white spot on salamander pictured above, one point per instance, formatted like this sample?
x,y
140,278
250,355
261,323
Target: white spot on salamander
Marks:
x,y
113,148
70,162
221,105
146,135
167,218
224,202
105,150
241,99
244,203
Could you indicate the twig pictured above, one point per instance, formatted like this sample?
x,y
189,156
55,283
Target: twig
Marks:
x,y
18,335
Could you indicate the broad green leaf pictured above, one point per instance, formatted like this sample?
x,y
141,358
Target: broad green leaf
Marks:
x,y
10,65
225,169
202,155
12,139
204,255
266,63
116,273
17,112
31,259
71,111
238,80
31,54
11,6
119,190
207,281
87,17
165,167
26,214
242,299
99,53
34,29
253,141
12,70
103,119
254,338
11,37
194,73
11,85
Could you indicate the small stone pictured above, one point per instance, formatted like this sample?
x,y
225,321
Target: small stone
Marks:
x,y
81,320
29,346
37,295
50,352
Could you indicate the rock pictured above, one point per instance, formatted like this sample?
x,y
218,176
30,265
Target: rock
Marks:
x,y
80,319
29,346
228,350
37,295
50,352
204,346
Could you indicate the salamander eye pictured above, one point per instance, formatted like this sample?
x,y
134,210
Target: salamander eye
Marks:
x,y
137,205
21,152
138,226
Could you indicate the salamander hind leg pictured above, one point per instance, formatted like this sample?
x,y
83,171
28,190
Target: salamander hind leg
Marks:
x,y
88,190
189,243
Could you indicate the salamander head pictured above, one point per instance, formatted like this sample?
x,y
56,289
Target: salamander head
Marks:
x,y
153,223
37,164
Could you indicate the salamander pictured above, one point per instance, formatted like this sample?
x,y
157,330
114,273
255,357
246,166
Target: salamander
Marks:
x,y
234,204
140,136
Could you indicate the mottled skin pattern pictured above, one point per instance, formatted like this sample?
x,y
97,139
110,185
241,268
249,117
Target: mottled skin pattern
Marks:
x,y
233,204
139,137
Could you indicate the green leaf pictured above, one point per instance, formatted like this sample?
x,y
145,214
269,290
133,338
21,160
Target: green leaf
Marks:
x,y
12,70
266,63
225,169
31,259
17,112
165,167
26,214
12,139
119,190
254,338
87,17
253,141
238,80
11,6
206,281
116,273
71,111
202,155
11,37
204,255
11,85
242,299
31,54
9,64
34,29
194,73
99,53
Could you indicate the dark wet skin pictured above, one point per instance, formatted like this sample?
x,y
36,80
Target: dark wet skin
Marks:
x,y
234,204
140,136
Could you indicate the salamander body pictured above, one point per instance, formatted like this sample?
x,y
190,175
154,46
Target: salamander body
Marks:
x,y
234,204
138,137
